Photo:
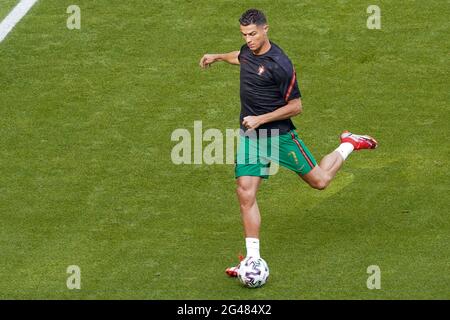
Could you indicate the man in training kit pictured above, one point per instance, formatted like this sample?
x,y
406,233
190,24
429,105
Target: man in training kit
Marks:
x,y
270,96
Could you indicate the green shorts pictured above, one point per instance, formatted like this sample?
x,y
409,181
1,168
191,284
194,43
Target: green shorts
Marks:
x,y
255,155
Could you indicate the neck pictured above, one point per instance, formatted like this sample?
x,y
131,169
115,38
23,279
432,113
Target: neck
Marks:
x,y
263,49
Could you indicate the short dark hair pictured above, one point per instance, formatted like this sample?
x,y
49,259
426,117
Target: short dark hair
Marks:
x,y
253,16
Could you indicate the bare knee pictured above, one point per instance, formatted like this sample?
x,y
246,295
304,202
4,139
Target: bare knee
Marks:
x,y
320,184
317,178
246,196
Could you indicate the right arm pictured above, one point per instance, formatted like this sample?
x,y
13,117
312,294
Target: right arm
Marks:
x,y
208,59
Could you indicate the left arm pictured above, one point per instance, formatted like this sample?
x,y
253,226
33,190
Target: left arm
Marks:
x,y
293,108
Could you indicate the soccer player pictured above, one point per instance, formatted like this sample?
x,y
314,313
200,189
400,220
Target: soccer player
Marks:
x,y
270,96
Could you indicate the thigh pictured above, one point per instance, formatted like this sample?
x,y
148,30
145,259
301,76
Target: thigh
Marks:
x,y
295,155
248,160
315,177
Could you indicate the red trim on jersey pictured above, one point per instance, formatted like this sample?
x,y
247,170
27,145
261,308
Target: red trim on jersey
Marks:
x,y
291,85
303,151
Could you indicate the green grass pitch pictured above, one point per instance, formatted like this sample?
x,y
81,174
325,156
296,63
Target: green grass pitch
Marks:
x,y
86,176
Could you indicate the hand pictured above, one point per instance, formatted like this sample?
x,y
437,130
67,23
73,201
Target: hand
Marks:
x,y
252,122
207,60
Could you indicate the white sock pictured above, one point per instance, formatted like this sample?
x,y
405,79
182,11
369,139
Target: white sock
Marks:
x,y
252,245
345,149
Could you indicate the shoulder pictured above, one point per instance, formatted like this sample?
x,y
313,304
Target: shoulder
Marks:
x,y
243,52
244,49
282,63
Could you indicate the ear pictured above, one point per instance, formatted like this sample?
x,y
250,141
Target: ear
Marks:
x,y
266,28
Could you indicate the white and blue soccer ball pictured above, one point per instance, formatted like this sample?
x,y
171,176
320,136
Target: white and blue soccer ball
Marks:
x,y
253,272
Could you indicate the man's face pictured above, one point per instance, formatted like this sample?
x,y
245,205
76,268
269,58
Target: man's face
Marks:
x,y
254,35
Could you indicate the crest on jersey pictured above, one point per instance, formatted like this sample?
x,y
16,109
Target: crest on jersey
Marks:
x,y
261,70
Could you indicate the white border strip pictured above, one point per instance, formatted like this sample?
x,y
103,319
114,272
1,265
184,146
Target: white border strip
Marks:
x,y
14,17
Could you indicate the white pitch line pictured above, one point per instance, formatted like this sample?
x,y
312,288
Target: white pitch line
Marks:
x,y
19,11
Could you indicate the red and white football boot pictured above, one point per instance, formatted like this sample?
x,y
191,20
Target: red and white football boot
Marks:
x,y
359,142
233,271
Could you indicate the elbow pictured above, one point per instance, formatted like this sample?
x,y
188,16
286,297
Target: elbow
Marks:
x,y
297,108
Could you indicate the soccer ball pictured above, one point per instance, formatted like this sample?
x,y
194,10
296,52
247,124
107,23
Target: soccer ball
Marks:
x,y
253,272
